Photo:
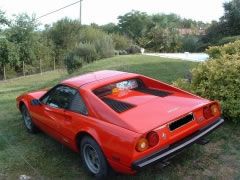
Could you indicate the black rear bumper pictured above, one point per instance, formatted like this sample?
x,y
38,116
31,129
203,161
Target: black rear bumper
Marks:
x,y
176,147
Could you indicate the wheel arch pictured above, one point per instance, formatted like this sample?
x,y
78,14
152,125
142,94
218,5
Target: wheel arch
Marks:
x,y
21,104
80,135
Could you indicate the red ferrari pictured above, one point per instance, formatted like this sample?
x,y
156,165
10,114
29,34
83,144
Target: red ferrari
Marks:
x,y
119,120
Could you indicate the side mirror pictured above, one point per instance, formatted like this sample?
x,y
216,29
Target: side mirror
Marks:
x,y
35,102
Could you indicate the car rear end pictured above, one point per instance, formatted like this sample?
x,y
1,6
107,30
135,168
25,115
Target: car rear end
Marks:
x,y
169,139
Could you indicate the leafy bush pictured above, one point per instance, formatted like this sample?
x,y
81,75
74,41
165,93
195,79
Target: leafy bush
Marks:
x,y
95,44
227,49
218,79
86,52
102,42
73,62
104,47
189,43
229,39
133,49
121,42
123,52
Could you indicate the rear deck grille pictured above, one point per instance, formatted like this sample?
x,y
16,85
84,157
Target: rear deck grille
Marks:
x,y
154,92
117,106
181,122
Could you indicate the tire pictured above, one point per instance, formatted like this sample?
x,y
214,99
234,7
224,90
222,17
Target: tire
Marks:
x,y
27,120
93,159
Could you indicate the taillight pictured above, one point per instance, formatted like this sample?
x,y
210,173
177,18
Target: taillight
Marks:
x,y
207,112
215,109
210,111
152,138
142,145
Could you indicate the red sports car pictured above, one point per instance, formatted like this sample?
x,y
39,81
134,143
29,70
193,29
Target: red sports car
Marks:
x,y
119,120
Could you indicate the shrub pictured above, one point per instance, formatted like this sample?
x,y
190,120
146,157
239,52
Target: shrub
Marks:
x,y
104,47
123,52
229,39
133,49
102,42
121,42
116,53
227,49
73,62
218,79
86,52
189,43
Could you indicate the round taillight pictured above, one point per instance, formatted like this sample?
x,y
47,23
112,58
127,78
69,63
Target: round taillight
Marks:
x,y
142,145
207,113
152,138
214,109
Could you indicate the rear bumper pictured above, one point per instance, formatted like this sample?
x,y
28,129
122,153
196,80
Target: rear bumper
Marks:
x,y
176,147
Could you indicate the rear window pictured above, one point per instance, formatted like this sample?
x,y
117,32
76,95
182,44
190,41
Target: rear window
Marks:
x,y
118,86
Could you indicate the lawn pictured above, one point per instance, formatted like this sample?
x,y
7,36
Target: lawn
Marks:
x,y
41,157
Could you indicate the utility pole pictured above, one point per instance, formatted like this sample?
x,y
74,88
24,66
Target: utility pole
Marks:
x,y
80,13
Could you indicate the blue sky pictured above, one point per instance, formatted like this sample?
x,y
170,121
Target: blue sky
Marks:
x,y
105,11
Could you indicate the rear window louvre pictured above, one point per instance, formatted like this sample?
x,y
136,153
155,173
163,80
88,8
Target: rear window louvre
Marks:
x,y
181,122
117,106
154,92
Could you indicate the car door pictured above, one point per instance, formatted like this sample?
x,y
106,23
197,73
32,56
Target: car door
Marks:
x,y
75,115
53,109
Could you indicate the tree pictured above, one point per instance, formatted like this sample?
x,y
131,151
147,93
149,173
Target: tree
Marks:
x,y
3,19
231,18
121,42
65,34
161,40
8,54
229,25
22,34
134,24
166,20
44,52
110,28
189,43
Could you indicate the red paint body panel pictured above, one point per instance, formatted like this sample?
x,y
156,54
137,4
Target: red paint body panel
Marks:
x,y
118,133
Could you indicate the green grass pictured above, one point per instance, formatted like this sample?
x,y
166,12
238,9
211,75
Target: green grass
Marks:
x,y
41,157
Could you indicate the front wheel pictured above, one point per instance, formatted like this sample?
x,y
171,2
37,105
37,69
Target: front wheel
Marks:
x,y
27,120
93,158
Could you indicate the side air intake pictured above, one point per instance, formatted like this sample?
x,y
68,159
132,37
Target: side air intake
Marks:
x,y
117,106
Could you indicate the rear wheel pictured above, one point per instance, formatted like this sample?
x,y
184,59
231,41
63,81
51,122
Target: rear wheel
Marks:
x,y
93,158
27,120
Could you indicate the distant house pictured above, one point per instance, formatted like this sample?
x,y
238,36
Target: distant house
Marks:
x,y
189,31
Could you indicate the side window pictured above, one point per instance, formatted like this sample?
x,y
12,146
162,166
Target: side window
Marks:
x,y
60,97
78,105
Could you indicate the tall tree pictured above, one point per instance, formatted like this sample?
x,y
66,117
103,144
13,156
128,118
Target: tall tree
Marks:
x,y
22,34
231,18
8,54
65,35
134,24
3,19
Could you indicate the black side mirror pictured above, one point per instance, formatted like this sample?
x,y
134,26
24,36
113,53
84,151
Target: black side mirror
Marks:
x,y
35,102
